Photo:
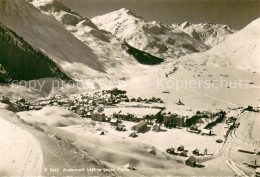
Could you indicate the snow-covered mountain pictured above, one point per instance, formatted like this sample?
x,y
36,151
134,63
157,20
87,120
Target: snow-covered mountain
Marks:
x,y
153,37
209,33
239,50
242,48
107,47
119,59
47,34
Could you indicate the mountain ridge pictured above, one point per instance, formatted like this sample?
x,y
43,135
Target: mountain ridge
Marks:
x,y
209,33
154,37
242,48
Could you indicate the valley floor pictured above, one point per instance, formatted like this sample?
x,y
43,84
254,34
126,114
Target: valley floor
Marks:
x,y
69,145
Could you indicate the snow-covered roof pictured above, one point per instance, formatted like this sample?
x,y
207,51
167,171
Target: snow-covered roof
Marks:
x,y
206,131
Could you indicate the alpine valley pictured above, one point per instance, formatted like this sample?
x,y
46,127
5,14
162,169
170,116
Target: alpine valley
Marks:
x,y
118,95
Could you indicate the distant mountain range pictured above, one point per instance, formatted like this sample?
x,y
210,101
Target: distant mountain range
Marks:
x,y
153,37
209,33
109,45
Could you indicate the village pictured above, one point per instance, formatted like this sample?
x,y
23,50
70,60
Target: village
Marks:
x,y
133,118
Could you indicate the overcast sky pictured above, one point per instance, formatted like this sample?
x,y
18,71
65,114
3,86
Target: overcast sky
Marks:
x,y
235,13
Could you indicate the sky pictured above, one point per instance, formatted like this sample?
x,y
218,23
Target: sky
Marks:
x,y
235,13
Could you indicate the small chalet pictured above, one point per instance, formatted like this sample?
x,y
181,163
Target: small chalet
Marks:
x,y
257,172
219,140
206,132
156,128
98,117
175,119
171,150
196,151
120,128
140,127
191,161
114,121
180,148
184,153
133,135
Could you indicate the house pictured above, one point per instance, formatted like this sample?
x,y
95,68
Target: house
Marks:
x,y
219,140
171,150
109,103
156,128
180,148
169,117
174,119
184,153
257,172
196,151
206,132
120,128
124,99
100,101
133,135
114,121
21,100
129,166
125,116
98,117
140,127
191,161
194,127
88,114
38,107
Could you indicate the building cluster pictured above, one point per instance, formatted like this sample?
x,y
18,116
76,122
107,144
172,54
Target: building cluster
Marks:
x,y
181,151
23,105
93,103
20,104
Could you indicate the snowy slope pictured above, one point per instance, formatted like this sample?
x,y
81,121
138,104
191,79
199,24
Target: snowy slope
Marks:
x,y
18,147
106,46
19,61
153,37
209,33
242,48
110,50
45,33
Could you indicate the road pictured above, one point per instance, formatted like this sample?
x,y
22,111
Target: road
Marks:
x,y
244,137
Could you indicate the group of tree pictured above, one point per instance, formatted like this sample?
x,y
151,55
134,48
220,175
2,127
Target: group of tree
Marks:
x,y
141,56
22,62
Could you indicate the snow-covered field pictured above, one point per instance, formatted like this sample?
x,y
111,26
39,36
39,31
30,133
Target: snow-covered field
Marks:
x,y
161,140
117,149
20,152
